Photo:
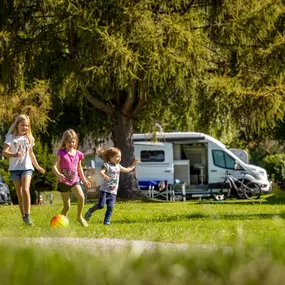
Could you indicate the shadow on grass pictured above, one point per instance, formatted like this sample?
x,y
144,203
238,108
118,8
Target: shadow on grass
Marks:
x,y
198,216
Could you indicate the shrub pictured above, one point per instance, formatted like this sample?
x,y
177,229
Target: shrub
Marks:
x,y
275,166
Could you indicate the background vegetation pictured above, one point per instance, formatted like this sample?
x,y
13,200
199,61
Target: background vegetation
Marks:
x,y
109,68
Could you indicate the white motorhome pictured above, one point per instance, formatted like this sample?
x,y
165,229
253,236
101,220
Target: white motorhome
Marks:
x,y
196,159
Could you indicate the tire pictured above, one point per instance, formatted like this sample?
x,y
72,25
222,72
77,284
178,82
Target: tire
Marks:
x,y
226,190
252,190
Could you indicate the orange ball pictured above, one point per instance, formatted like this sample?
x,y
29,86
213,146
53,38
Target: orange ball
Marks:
x,y
59,221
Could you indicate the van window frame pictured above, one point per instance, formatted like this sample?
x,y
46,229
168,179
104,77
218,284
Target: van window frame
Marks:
x,y
224,158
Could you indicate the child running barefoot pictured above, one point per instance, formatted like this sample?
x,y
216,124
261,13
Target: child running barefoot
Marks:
x,y
18,147
108,191
67,167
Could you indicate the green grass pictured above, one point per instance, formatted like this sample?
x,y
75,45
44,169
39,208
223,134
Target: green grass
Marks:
x,y
193,222
33,265
246,242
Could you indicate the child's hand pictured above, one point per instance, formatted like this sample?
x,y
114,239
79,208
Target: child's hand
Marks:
x,y
87,184
106,177
41,170
135,162
20,152
60,177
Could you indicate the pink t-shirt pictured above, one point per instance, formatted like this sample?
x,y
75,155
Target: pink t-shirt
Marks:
x,y
69,165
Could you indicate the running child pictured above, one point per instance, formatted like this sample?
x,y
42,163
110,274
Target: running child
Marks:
x,y
68,170
108,191
18,147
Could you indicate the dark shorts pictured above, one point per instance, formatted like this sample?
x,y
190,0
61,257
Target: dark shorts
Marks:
x,y
65,188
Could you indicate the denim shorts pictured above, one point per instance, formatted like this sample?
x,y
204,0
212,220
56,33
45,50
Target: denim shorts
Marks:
x,y
17,174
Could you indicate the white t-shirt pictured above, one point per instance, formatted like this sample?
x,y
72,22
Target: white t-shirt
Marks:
x,y
19,163
113,171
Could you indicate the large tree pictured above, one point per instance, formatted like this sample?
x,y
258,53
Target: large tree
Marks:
x,y
188,65
122,56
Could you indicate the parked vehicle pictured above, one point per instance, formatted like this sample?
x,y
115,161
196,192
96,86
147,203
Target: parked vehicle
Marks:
x,y
5,196
197,160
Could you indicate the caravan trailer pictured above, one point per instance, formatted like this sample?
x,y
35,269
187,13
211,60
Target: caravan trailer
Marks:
x,y
197,160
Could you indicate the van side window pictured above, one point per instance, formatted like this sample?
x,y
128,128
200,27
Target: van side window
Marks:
x,y
152,156
222,159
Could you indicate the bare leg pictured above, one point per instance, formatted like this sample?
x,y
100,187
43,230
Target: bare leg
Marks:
x,y
26,182
18,187
78,193
66,202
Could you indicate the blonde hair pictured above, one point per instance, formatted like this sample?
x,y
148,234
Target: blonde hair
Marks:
x,y
14,128
68,134
108,153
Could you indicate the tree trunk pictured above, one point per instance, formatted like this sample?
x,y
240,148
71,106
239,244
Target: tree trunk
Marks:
x,y
123,139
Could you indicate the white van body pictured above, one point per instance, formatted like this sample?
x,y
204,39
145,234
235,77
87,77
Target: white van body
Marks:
x,y
196,159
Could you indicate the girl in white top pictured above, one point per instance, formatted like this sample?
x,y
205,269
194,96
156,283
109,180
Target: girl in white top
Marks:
x,y
18,147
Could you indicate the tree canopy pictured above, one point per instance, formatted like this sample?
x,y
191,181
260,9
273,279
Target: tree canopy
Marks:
x,y
115,66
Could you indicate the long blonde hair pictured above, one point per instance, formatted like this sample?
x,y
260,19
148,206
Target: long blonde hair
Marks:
x,y
14,128
68,134
108,153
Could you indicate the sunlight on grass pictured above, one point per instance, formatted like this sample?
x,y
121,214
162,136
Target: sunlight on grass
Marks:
x,y
231,242
191,222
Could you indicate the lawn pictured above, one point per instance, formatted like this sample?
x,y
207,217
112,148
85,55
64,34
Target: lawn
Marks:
x,y
194,222
245,245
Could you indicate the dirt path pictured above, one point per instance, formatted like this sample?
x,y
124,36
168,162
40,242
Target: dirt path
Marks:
x,y
91,244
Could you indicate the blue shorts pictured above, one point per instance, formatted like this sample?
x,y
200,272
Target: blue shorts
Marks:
x,y
17,174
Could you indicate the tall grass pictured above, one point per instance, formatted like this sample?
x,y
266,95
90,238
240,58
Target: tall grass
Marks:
x,y
240,266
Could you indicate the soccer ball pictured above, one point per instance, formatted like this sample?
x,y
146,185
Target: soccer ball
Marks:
x,y
59,221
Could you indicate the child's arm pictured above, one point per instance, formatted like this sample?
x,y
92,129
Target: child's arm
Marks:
x,y
35,162
55,170
82,176
7,152
103,173
129,169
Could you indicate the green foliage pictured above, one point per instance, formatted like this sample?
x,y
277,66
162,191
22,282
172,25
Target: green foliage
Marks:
x,y
210,66
45,158
4,166
275,166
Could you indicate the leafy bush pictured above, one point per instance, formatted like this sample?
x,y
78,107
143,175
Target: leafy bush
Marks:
x,y
275,166
46,181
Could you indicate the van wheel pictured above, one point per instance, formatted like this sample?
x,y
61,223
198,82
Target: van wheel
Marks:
x,y
219,197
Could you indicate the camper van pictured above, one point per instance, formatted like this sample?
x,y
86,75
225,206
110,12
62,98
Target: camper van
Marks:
x,y
196,160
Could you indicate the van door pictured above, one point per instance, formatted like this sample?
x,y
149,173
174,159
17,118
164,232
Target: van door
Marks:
x,y
156,161
220,162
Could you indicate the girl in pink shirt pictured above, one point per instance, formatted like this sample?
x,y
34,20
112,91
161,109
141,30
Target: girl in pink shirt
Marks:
x,y
68,170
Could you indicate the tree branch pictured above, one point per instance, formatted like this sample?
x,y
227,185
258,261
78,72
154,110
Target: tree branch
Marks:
x,y
97,103
128,105
142,98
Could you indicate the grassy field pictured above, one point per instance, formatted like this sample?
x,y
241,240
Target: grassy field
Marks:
x,y
245,244
194,222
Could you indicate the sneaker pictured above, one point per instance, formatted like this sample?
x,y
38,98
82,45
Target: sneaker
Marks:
x,y
87,216
107,223
82,222
28,222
